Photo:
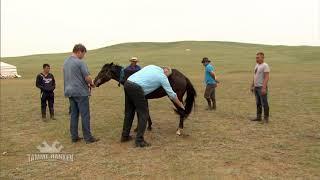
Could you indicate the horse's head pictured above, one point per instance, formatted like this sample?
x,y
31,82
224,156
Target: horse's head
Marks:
x,y
107,72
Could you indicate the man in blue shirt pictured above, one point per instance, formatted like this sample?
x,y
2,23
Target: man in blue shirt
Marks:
x,y
136,88
129,70
211,84
133,65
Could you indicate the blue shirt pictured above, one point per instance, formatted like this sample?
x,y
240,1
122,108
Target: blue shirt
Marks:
x,y
208,78
133,68
74,73
151,78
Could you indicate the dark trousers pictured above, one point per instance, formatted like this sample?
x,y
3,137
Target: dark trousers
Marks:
x,y
261,101
210,95
135,101
80,106
47,97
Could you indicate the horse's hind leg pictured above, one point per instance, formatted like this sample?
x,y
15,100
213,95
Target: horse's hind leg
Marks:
x,y
149,124
179,130
149,119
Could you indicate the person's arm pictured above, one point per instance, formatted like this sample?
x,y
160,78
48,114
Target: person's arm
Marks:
x,y
53,83
213,75
252,85
86,74
172,95
38,82
89,81
265,83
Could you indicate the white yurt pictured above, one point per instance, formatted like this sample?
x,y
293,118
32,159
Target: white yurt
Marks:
x,y
8,71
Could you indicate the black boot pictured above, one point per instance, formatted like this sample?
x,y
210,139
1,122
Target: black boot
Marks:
x,y
142,144
214,106
259,113
43,114
209,104
266,114
52,113
52,117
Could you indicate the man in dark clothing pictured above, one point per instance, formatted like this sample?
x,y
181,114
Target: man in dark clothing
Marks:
x,y
46,83
136,88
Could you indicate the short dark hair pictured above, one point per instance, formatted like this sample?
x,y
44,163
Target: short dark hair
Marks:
x,y
260,53
79,47
45,65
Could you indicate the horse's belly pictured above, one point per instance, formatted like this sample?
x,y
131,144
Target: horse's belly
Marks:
x,y
158,93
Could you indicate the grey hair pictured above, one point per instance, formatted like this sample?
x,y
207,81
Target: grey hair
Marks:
x,y
169,69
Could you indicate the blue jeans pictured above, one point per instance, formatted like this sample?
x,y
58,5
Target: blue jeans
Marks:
x,y
261,101
80,105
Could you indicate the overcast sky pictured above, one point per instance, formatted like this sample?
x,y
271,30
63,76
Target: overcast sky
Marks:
x,y
47,26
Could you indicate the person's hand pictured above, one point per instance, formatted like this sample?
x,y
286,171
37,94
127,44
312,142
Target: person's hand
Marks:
x,y
264,91
252,89
182,107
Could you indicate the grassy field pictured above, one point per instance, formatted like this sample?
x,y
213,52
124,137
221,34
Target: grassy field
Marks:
x,y
221,144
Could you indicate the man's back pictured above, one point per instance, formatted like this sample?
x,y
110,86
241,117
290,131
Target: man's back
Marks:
x,y
208,77
75,71
151,78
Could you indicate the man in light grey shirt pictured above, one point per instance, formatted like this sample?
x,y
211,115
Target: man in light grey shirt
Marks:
x,y
77,82
260,87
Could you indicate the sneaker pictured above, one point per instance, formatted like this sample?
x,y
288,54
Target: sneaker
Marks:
x,y
126,138
142,144
92,140
76,140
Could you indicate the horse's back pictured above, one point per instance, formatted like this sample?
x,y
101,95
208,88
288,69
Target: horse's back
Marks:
x,y
178,83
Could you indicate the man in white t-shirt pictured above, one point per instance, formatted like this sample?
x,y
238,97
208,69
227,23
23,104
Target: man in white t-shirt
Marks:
x,y
260,87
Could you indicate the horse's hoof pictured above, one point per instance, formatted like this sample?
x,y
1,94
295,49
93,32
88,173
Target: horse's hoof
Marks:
x,y
149,128
179,132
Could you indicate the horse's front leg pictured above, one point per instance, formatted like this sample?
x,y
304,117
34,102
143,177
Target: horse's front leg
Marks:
x,y
180,128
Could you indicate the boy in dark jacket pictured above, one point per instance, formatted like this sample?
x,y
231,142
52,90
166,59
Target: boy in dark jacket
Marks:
x,y
46,83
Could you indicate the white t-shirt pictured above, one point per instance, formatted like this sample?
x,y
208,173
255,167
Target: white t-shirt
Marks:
x,y
259,71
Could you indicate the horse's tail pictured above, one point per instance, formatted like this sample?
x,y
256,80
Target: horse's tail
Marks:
x,y
190,100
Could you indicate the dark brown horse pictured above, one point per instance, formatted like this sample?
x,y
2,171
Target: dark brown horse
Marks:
x,y
179,83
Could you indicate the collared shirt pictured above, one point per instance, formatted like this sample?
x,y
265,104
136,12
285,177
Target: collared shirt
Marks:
x,y
207,74
259,71
74,73
151,78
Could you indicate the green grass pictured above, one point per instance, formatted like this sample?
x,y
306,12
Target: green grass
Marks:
x,y
221,144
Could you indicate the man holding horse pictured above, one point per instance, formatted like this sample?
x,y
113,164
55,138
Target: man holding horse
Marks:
x,y
77,85
136,88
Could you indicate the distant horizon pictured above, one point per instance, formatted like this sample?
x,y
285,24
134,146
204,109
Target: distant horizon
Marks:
x,y
248,43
